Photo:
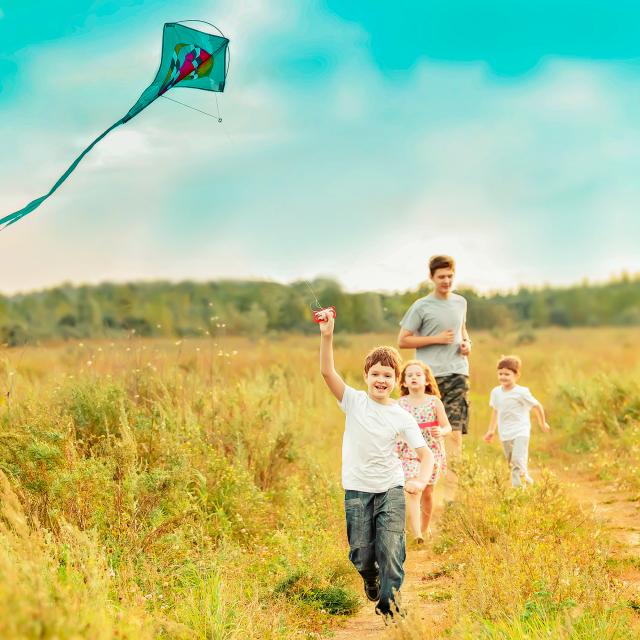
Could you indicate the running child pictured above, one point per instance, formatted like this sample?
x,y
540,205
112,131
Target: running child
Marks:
x,y
371,471
511,405
420,396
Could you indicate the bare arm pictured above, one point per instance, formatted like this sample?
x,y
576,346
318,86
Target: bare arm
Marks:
x,y
538,411
465,345
491,431
327,369
443,421
425,456
408,340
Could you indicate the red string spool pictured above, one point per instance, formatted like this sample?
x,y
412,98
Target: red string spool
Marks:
x,y
316,314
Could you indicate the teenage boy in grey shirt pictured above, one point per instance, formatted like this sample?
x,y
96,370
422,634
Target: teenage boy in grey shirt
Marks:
x,y
435,326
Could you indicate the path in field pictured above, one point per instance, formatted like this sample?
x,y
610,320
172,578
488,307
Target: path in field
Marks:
x,y
619,513
418,584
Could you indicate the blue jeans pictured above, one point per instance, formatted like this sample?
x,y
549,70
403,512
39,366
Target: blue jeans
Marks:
x,y
375,528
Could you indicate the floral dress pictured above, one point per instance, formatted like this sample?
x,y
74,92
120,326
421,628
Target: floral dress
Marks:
x,y
425,415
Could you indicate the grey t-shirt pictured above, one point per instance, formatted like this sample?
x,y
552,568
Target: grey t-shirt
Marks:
x,y
429,316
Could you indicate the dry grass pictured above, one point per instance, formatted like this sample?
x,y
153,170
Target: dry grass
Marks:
x,y
191,489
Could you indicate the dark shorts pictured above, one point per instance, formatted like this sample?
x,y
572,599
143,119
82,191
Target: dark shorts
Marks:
x,y
454,390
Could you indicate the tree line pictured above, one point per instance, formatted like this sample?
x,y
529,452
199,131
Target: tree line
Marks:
x,y
256,308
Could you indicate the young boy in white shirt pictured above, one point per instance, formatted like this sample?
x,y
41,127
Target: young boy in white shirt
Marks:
x,y
511,405
372,474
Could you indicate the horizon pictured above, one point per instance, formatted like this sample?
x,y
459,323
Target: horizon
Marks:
x,y
356,141
462,286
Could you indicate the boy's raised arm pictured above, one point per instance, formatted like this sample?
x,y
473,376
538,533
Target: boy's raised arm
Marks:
x,y
327,369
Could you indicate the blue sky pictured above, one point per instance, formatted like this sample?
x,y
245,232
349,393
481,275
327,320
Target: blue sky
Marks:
x,y
357,140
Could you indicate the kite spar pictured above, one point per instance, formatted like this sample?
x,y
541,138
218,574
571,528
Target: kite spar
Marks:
x,y
190,58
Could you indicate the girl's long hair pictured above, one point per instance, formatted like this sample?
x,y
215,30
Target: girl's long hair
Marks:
x,y
431,387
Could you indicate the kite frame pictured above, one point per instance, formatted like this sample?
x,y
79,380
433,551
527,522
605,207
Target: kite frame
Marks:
x,y
227,53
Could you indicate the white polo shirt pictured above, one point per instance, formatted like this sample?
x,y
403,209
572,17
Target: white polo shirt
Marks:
x,y
369,459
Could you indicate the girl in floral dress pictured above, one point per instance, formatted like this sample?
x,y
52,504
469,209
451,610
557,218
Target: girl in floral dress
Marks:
x,y
420,396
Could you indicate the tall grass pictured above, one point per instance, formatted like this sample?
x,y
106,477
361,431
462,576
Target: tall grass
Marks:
x,y
600,420
524,564
171,495
190,489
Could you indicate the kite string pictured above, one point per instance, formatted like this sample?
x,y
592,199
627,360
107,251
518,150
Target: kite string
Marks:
x,y
218,118
313,293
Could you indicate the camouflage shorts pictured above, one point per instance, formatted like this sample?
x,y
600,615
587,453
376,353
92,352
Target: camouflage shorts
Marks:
x,y
454,390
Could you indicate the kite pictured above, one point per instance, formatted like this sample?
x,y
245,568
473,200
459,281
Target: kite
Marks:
x,y
190,58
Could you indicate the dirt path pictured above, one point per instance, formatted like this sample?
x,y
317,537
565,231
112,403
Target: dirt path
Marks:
x,y
422,582
619,513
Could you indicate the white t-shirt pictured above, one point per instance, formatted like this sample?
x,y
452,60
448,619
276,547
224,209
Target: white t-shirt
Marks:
x,y
513,408
369,459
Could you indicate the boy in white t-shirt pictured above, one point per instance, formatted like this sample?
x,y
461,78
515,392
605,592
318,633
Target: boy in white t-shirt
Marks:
x,y
372,473
511,405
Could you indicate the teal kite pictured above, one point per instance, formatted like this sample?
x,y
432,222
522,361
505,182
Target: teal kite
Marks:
x,y
190,58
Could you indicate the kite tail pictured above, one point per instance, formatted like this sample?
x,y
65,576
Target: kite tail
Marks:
x,y
17,215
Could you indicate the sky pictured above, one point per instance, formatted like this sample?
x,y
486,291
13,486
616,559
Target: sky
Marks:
x,y
358,139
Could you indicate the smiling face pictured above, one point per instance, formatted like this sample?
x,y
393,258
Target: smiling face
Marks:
x,y
507,378
443,280
380,381
414,379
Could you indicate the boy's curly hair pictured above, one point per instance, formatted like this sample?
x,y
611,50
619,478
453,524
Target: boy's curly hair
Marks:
x,y
386,356
513,363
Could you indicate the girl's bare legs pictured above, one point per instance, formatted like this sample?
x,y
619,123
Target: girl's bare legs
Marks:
x,y
426,507
413,512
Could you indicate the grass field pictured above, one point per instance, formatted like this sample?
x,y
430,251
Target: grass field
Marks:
x,y
190,489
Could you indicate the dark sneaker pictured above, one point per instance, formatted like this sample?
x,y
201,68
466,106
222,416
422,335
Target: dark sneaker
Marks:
x,y
372,589
392,615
